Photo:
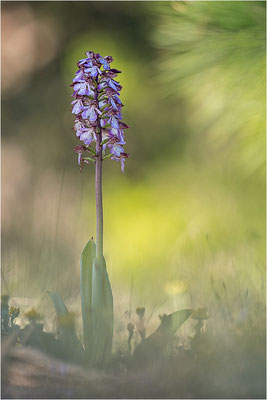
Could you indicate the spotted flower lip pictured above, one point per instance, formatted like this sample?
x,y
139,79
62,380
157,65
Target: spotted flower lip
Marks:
x,y
83,88
97,107
77,106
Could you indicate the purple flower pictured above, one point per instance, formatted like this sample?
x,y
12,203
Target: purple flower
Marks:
x,y
80,150
122,164
112,84
90,110
97,108
121,158
78,76
83,88
87,135
77,107
93,71
114,122
78,127
116,149
104,62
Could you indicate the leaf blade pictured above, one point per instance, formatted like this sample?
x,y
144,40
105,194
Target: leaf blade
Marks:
x,y
59,305
156,342
103,318
87,260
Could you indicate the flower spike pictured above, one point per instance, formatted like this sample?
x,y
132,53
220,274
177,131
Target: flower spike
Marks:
x,y
97,107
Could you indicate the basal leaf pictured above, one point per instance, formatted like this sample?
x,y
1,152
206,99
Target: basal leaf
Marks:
x,y
102,308
87,260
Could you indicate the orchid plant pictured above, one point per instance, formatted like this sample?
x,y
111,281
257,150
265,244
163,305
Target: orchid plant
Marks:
x,y
98,124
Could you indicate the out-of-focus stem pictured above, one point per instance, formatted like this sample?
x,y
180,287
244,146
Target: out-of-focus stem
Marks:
x,y
98,191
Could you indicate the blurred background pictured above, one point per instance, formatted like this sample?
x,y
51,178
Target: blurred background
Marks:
x,y
187,218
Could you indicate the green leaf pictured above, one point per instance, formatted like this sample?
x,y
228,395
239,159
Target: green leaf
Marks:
x,y
156,342
104,141
97,306
108,156
89,159
59,305
102,313
101,97
91,150
87,260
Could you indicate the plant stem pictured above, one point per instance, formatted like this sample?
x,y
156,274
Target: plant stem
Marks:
x,y
98,191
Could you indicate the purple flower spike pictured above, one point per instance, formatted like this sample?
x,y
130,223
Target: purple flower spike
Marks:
x,y
97,108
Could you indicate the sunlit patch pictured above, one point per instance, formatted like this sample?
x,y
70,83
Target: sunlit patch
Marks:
x,y
176,287
178,6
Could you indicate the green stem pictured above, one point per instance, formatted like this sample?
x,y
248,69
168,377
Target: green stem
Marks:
x,y
98,191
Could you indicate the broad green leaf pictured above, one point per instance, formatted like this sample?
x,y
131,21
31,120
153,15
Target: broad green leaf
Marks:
x,y
102,308
97,306
159,339
87,260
